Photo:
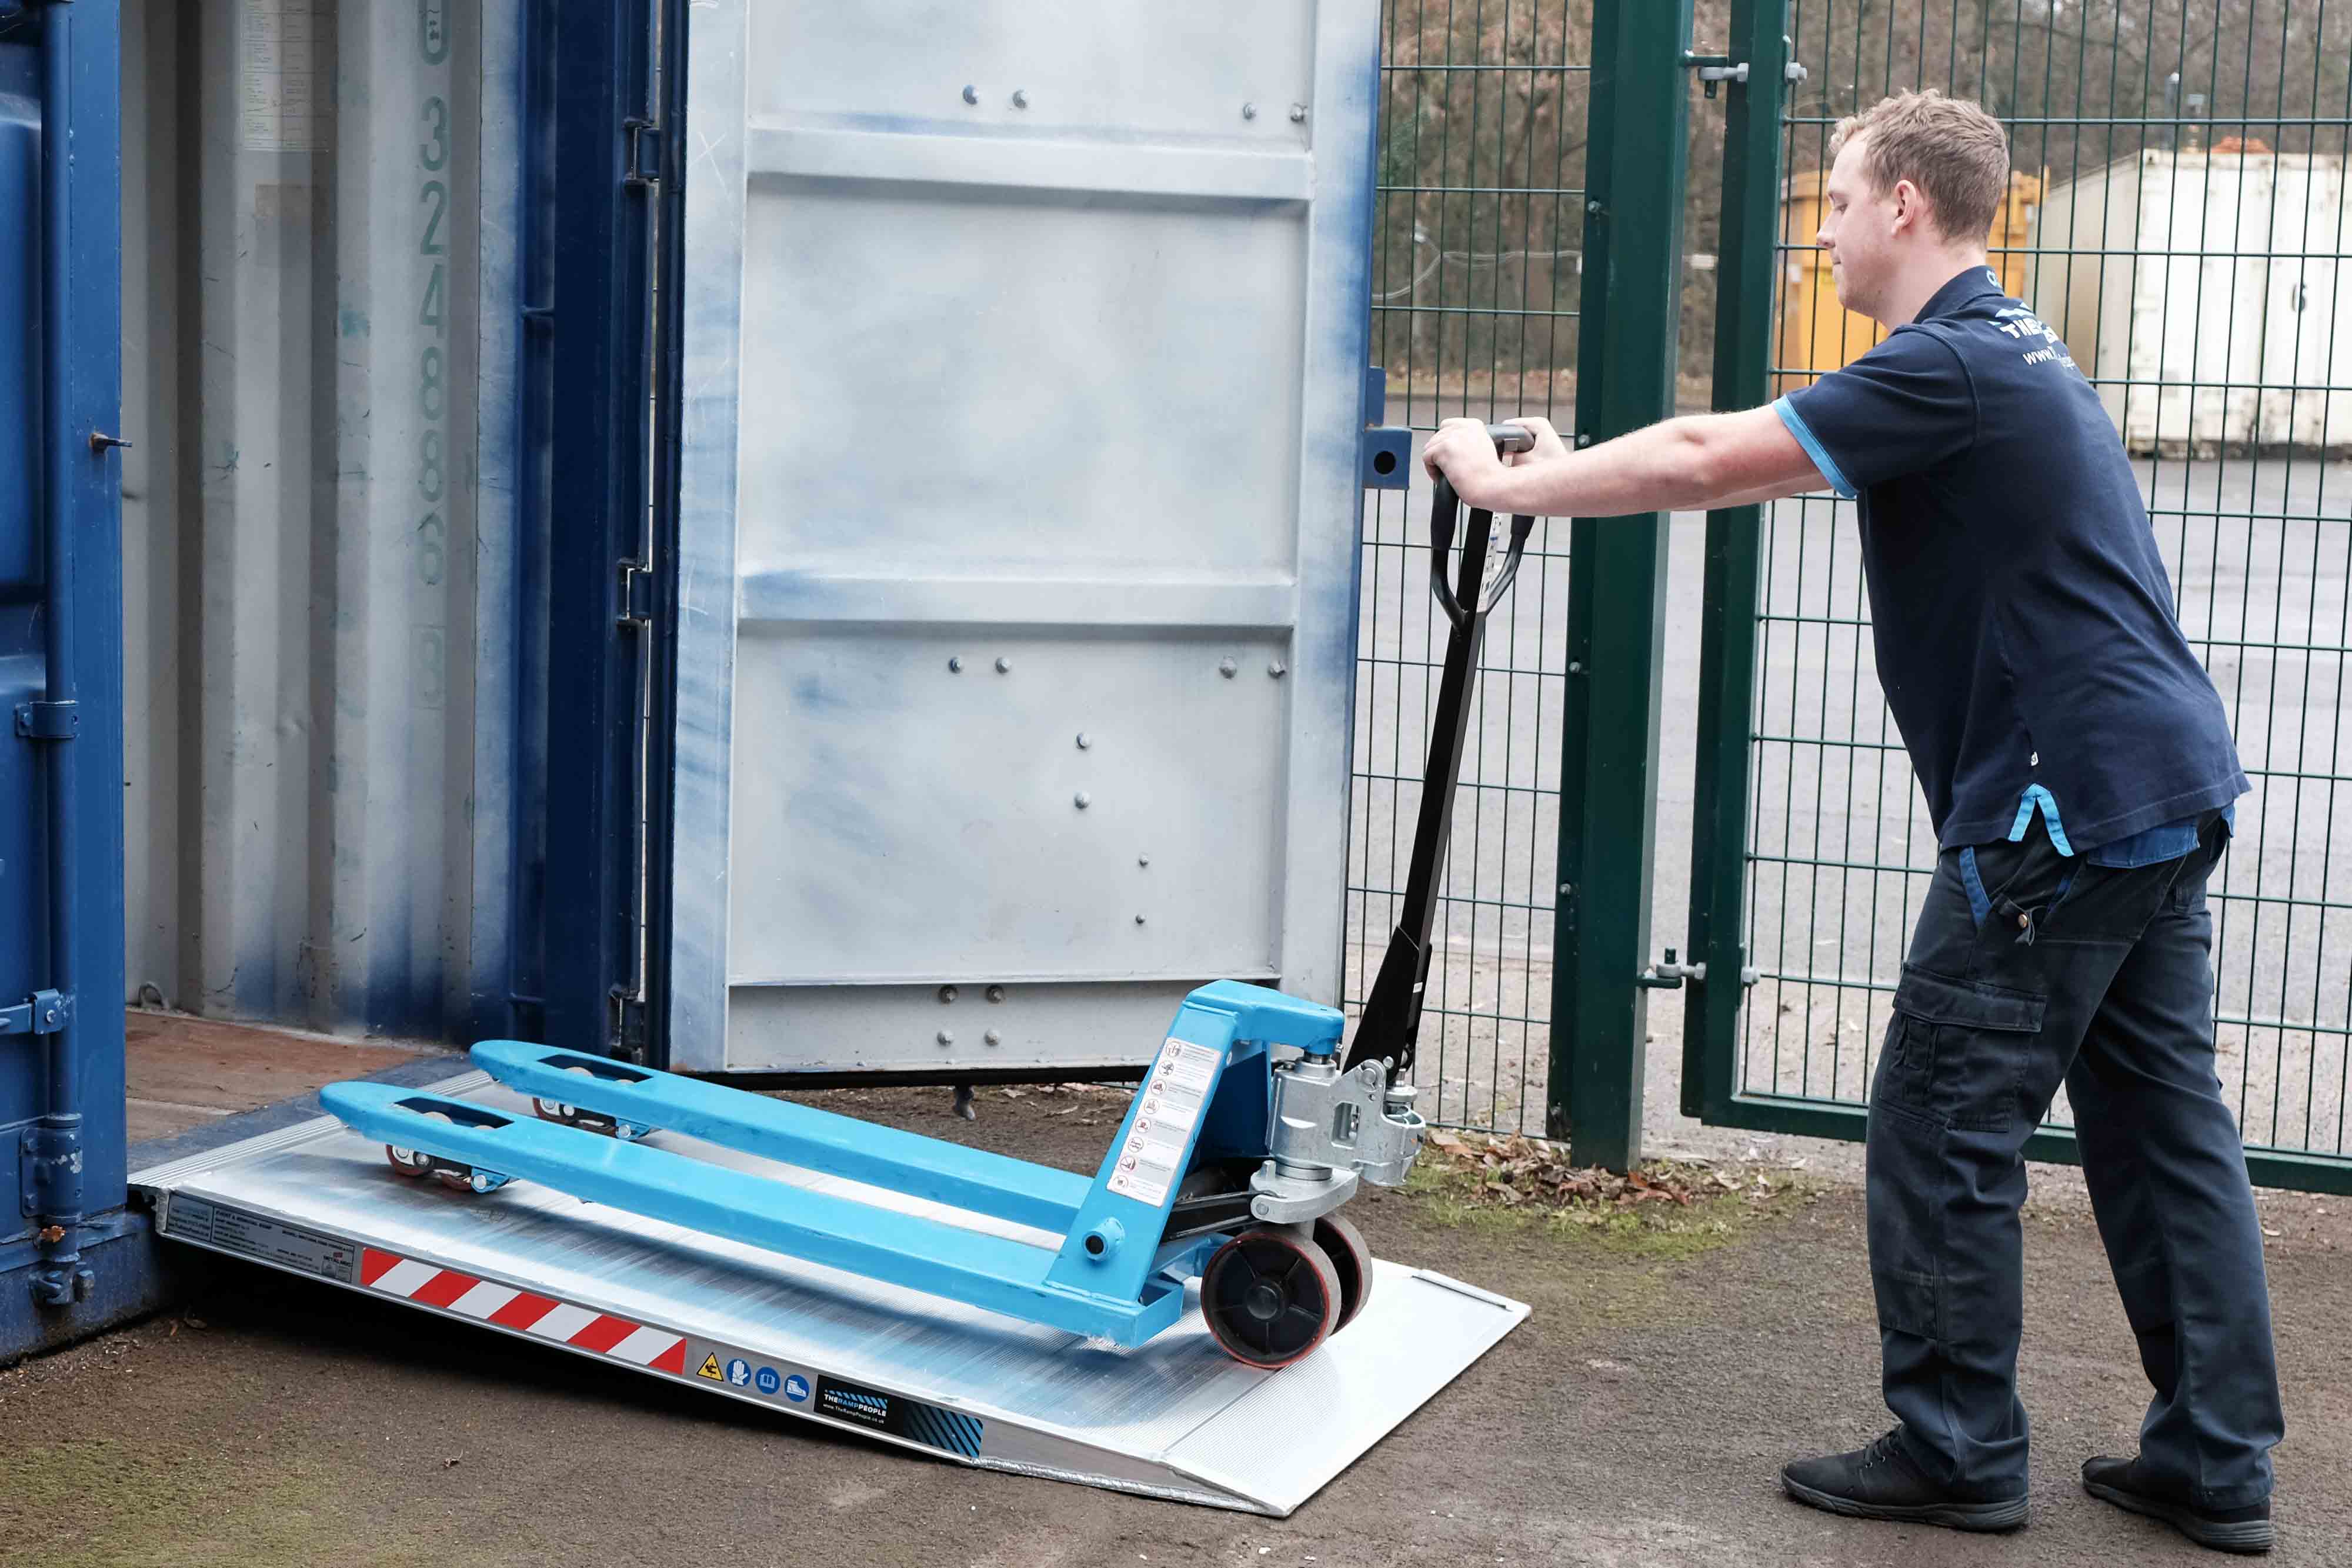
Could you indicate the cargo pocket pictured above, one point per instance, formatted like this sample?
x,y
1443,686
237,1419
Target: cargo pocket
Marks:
x,y
1956,1049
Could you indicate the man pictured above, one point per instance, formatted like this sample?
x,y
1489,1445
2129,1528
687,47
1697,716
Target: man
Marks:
x,y
2079,768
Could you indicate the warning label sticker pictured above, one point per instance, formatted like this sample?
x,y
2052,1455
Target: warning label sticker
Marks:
x,y
231,1229
709,1369
1167,1108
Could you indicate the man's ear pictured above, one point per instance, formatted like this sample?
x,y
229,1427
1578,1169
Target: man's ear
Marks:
x,y
1910,206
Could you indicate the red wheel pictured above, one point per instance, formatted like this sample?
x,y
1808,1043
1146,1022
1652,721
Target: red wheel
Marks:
x,y
410,1162
1269,1298
1344,1244
455,1183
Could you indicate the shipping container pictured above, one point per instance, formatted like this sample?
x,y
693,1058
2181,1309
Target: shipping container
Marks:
x,y
2198,289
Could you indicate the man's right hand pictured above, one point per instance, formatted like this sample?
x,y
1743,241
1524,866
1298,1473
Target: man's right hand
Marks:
x,y
1549,447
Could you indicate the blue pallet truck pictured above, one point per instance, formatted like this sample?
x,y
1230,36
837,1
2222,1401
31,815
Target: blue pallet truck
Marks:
x,y
1251,1130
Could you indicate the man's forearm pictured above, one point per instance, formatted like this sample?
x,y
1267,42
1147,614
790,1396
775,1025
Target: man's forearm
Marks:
x,y
1662,468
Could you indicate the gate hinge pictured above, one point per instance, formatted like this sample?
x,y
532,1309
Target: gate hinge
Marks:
x,y
44,1014
628,1026
645,153
48,720
1714,69
1667,974
637,595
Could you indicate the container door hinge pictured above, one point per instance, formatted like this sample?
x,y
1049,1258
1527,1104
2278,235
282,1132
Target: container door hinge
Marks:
x,y
46,1012
628,1026
644,154
48,1171
637,595
48,720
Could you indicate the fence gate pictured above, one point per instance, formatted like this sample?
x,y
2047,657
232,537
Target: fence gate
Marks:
x,y
2178,210
1512,136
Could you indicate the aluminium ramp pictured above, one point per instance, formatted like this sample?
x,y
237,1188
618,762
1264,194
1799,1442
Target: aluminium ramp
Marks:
x,y
1174,1418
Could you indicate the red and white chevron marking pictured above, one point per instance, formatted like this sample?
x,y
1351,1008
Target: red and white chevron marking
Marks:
x,y
430,1284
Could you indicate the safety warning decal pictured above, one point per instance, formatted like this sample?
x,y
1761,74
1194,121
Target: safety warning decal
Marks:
x,y
709,1369
486,1300
909,1418
1167,1109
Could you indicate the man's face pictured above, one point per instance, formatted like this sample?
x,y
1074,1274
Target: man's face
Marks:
x,y
1858,230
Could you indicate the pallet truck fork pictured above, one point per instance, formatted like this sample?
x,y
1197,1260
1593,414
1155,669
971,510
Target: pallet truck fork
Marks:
x,y
1229,1165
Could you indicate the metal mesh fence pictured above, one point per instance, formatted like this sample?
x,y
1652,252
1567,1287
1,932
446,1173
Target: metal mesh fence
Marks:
x,y
2179,215
1478,219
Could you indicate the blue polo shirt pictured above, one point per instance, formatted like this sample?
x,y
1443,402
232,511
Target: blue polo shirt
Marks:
x,y
2022,615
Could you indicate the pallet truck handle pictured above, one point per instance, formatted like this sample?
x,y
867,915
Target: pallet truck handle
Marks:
x,y
1390,1028
1445,505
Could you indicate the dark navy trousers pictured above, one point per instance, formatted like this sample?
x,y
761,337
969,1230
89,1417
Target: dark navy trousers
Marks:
x,y
2028,969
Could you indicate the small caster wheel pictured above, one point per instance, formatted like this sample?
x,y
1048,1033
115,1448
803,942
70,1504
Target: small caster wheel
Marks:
x,y
1344,1245
1269,1298
549,1110
466,1179
413,1163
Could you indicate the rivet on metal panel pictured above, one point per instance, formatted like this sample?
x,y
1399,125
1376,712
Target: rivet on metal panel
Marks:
x,y
1084,741
1297,112
1084,800
1576,667
1226,667
971,94
1278,669
946,1037
996,992
993,1037
947,993
1583,439
1143,860
1566,888
1138,920
1019,97
1593,207
1249,111
1004,666
955,667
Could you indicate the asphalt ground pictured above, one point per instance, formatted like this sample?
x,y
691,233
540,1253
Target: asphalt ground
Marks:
x,y
1674,1359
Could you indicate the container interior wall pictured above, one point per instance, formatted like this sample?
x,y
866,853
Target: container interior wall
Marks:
x,y
301,355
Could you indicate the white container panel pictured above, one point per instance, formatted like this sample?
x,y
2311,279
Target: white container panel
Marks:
x,y
1072,380
2199,292
2308,347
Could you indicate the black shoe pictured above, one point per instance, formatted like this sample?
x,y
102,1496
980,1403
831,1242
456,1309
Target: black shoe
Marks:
x,y
1880,1483
2118,1481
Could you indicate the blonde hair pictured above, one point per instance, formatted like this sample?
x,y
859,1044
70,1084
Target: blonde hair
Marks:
x,y
1949,147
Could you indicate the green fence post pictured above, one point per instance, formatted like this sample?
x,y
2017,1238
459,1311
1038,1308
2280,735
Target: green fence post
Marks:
x,y
1631,305
1747,270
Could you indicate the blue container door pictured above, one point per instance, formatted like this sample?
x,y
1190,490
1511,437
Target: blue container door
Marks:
x,y
61,1067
